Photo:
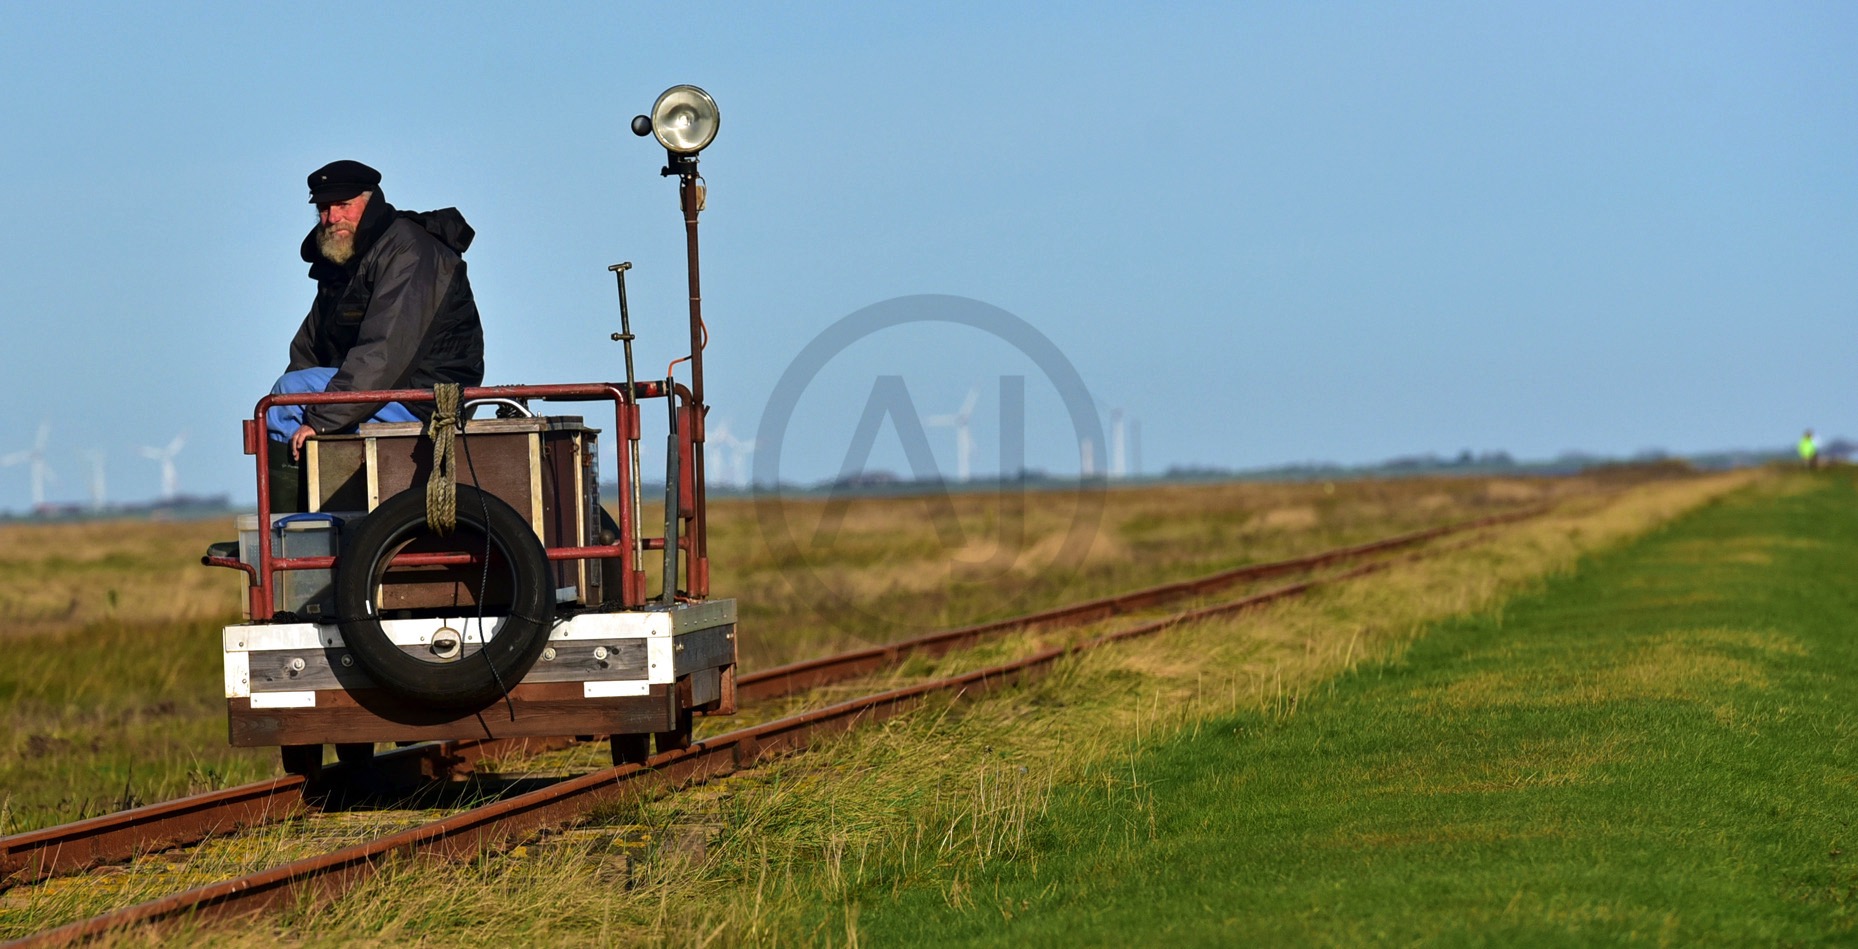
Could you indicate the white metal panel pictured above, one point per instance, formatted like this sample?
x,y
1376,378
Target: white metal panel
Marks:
x,y
612,626
659,655
284,700
418,632
281,636
238,675
615,687
401,632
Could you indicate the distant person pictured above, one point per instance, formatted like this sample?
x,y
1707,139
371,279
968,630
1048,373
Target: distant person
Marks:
x,y
393,310
1809,451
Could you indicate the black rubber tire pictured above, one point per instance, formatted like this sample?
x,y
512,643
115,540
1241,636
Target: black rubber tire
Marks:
x,y
476,680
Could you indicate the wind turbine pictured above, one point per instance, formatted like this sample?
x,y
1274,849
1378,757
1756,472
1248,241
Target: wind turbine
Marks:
x,y
1119,467
41,472
170,481
95,456
964,438
739,453
713,444
1135,447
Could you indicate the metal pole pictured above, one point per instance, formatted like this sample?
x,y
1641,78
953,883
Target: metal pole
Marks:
x,y
699,532
672,473
632,395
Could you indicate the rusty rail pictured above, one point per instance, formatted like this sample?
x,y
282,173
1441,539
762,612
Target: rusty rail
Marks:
x,y
113,838
497,823
68,848
117,837
798,676
122,835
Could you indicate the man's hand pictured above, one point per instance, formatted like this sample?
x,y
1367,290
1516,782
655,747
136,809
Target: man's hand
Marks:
x,y
297,438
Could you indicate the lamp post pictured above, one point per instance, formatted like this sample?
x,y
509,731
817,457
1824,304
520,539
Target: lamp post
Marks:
x,y
685,120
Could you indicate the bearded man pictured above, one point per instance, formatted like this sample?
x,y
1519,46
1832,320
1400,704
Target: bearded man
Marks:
x,y
393,310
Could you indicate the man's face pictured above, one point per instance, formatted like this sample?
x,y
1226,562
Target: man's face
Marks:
x,y
339,220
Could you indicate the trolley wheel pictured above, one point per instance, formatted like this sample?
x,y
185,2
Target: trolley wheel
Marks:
x,y
678,738
630,749
305,760
358,755
464,681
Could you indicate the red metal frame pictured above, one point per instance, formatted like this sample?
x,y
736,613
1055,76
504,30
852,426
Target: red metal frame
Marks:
x,y
626,423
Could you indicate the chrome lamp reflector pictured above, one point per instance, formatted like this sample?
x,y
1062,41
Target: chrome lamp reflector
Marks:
x,y
685,119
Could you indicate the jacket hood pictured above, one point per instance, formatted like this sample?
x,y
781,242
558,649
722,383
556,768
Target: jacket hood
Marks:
x,y
446,224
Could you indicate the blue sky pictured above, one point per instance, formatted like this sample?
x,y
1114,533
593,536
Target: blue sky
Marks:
x,y
1270,232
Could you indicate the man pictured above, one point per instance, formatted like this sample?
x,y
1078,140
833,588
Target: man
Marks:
x,y
393,310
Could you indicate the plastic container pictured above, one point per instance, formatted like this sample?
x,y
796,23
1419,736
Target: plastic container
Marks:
x,y
309,594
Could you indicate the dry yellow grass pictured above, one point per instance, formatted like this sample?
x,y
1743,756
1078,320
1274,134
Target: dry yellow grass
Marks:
x,y
889,562
891,570
959,785
954,788
56,577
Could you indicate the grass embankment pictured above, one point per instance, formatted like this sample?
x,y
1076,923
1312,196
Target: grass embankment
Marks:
x,y
1659,747
904,832
112,688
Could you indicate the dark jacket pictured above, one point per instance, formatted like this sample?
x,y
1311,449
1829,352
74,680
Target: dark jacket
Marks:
x,y
398,315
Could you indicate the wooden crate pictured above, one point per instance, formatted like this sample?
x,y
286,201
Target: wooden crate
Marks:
x,y
547,468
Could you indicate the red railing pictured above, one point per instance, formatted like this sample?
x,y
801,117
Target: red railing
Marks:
x,y
627,426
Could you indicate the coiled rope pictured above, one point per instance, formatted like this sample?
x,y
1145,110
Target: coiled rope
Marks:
x,y
442,484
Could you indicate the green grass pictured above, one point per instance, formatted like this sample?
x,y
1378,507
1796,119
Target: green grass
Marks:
x,y
937,799
1658,747
113,715
112,692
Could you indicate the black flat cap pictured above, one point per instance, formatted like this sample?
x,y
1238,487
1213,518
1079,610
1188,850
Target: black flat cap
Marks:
x,y
341,180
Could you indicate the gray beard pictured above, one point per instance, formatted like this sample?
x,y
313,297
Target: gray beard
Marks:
x,y
338,248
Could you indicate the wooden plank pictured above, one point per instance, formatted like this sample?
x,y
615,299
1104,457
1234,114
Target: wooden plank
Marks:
x,y
706,687
542,710
626,660
300,670
705,649
337,474
274,670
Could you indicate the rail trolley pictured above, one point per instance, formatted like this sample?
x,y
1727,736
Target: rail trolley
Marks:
x,y
368,620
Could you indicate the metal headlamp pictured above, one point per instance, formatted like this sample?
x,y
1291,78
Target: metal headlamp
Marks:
x,y
684,120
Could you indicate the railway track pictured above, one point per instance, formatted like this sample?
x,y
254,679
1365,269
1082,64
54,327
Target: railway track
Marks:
x,y
112,838
116,837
